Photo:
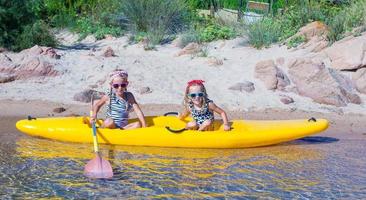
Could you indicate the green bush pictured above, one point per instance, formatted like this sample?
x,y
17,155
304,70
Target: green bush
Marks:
x,y
36,34
263,33
13,16
138,37
355,15
215,32
188,37
296,41
348,18
278,28
336,28
86,26
157,18
101,31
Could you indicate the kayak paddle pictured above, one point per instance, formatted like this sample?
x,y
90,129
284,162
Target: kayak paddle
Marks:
x,y
97,167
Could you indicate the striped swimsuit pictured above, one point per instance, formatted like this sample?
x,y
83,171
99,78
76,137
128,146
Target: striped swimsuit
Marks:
x,y
201,115
118,110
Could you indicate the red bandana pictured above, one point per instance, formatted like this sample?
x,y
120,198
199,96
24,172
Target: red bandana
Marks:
x,y
198,82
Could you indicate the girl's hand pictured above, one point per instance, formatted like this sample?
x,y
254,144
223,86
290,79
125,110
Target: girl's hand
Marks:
x,y
93,119
227,127
179,116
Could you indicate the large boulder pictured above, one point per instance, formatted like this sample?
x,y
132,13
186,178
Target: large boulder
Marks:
x,y
272,76
315,34
359,79
313,29
36,67
33,62
321,84
35,51
6,63
348,54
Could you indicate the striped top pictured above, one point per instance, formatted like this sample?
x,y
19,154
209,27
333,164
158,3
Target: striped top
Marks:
x,y
118,109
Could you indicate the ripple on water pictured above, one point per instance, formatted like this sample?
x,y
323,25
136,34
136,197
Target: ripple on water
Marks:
x,y
43,169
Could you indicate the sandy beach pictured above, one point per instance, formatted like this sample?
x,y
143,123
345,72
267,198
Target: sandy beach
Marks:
x,y
163,74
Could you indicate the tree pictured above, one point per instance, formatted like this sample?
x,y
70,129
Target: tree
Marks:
x,y
13,16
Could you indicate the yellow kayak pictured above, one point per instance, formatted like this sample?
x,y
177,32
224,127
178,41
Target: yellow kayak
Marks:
x,y
160,133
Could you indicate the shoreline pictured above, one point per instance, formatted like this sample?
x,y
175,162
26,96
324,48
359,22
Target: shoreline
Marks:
x,y
42,108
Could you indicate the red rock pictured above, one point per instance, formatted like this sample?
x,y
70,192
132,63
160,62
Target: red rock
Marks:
x,y
109,52
272,76
321,84
59,110
191,48
359,79
348,54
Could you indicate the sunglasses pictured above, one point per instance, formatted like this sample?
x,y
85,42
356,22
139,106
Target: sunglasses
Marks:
x,y
194,95
122,85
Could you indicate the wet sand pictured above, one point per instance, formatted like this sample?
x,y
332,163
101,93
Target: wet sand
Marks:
x,y
342,126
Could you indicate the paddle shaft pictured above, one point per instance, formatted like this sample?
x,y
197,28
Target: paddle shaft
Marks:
x,y
95,139
94,128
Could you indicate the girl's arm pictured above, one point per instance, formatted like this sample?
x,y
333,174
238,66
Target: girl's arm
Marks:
x,y
184,113
97,105
137,109
222,113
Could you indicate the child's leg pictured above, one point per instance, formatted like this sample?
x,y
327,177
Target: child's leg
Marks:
x,y
132,126
192,125
206,126
108,123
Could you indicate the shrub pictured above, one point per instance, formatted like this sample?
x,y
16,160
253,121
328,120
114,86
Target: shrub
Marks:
x,y
138,37
274,29
336,28
296,41
347,19
355,15
86,26
188,37
13,16
156,17
215,32
36,34
263,33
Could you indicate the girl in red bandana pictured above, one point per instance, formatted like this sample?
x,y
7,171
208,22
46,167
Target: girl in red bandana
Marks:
x,y
201,108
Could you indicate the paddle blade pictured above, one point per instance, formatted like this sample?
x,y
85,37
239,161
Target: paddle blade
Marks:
x,y
98,168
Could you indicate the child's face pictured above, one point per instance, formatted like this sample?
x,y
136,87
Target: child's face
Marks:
x,y
196,94
119,85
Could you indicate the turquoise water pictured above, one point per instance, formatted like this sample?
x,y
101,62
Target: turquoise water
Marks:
x,y
313,168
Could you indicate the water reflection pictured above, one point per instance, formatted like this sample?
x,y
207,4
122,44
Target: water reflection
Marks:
x,y
168,172
42,168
